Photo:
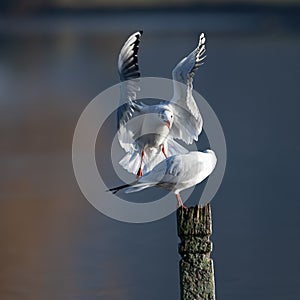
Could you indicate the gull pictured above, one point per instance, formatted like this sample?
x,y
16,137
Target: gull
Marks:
x,y
147,132
175,173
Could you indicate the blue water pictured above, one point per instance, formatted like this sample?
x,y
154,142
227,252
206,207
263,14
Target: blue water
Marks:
x,y
55,245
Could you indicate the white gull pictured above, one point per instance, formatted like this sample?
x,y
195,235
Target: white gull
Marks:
x,y
147,132
175,173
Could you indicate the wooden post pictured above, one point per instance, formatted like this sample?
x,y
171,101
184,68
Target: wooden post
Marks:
x,y
194,226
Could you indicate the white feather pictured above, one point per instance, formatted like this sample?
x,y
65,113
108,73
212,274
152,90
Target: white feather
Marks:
x,y
142,127
178,172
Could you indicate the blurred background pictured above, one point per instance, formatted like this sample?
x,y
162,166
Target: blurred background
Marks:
x,y
56,56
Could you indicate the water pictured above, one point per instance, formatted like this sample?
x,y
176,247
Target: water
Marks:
x,y
55,245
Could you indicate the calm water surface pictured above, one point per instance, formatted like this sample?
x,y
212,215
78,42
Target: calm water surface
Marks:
x,y
55,245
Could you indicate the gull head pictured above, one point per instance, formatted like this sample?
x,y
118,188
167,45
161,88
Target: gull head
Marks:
x,y
167,118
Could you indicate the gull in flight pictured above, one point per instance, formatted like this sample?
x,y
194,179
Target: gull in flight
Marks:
x,y
147,132
175,173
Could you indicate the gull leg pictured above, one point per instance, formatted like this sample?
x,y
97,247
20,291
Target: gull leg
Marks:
x,y
180,203
140,172
163,150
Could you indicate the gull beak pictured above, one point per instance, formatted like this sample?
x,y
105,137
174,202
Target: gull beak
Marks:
x,y
168,124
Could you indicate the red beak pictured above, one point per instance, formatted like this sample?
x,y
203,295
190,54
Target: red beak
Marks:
x,y
168,124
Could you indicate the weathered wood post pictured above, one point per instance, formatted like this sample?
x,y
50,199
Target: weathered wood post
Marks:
x,y
194,226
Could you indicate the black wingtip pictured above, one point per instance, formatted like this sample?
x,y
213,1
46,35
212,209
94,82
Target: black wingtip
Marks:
x,y
141,32
114,190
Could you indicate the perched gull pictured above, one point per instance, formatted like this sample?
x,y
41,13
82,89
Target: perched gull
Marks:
x,y
176,173
146,132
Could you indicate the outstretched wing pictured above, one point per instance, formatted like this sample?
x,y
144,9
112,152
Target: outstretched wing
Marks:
x,y
187,120
129,75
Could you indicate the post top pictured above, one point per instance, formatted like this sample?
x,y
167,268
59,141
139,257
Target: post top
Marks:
x,y
194,221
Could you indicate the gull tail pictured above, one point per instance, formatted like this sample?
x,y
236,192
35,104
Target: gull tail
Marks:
x,y
152,156
132,160
174,148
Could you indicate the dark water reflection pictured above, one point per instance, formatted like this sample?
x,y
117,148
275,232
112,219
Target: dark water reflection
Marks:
x,y
54,245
